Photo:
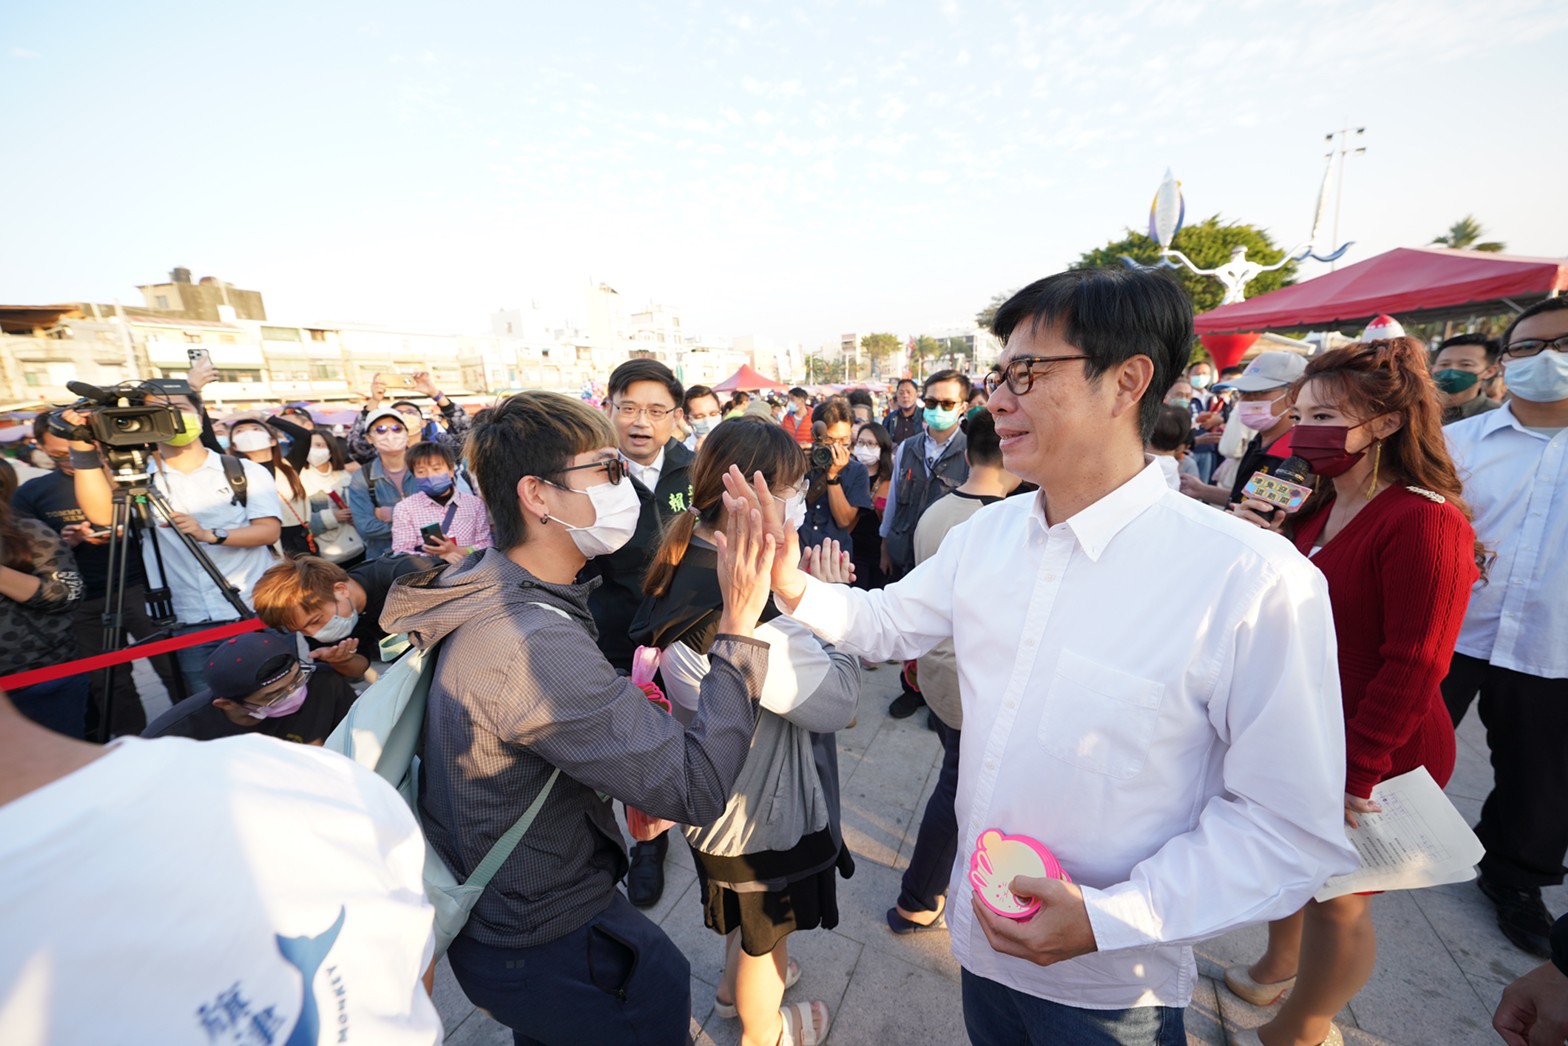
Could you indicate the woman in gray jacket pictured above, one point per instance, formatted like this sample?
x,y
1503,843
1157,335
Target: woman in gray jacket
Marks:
x,y
767,865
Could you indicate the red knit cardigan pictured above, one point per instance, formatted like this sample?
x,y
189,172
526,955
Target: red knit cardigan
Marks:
x,y
1399,580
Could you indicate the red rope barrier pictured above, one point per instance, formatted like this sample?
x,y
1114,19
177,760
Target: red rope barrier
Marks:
x,y
130,653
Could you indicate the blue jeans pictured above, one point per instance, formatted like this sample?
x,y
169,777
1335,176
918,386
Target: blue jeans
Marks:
x,y
60,704
617,979
931,863
996,1015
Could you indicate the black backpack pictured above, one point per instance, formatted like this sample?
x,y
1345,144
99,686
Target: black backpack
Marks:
x,y
238,482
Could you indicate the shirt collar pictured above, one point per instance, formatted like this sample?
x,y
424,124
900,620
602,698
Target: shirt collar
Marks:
x,y
1503,417
640,470
1096,526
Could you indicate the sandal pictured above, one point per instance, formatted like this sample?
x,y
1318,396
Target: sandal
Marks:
x,y
804,1030
728,1010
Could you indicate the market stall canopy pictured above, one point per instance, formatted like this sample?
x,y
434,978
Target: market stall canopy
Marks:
x,y
1417,284
747,380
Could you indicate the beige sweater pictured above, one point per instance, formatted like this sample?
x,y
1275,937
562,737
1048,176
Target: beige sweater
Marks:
x,y
938,671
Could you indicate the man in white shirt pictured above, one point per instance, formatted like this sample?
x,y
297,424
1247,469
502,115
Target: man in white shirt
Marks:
x,y
1187,769
261,892
236,533
1513,647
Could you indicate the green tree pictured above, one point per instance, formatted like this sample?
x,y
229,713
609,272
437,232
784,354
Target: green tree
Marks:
x,y
984,317
1465,234
1208,243
879,349
820,371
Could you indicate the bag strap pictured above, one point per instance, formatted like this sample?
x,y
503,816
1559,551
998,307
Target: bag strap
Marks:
x,y
238,482
507,843
451,513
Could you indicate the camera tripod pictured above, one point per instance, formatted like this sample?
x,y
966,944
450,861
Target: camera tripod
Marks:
x,y
135,501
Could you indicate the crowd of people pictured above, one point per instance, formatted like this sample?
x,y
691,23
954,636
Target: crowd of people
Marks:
x,y
1029,552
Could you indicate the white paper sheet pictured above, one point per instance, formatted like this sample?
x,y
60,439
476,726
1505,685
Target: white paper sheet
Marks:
x,y
1418,840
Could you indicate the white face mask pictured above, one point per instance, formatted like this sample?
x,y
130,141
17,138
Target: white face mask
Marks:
x,y
616,508
868,456
250,439
338,629
389,442
318,456
794,511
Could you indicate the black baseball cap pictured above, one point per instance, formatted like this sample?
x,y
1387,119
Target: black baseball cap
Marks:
x,y
245,664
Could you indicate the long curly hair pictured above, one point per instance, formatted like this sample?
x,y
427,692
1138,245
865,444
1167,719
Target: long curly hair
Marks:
x,y
1391,376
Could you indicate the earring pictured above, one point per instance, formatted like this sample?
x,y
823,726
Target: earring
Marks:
x,y
544,520
1377,460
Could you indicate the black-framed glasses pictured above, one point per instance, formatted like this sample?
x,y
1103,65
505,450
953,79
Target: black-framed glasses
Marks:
x,y
1521,350
1019,373
287,686
615,468
932,403
631,411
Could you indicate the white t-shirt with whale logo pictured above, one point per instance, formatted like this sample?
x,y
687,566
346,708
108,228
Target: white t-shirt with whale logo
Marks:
x,y
242,892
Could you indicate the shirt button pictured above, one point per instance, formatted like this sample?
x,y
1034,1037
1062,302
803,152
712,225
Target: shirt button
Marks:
x,y
990,764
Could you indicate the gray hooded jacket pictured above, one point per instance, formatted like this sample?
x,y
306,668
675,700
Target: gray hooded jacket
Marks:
x,y
518,690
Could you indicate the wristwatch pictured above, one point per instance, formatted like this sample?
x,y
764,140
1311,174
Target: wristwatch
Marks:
x,y
835,481
219,536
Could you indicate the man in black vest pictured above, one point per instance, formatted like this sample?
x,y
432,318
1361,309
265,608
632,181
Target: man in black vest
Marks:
x,y
903,420
644,398
926,466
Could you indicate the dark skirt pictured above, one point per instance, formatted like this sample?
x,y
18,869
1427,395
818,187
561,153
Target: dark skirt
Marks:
x,y
765,917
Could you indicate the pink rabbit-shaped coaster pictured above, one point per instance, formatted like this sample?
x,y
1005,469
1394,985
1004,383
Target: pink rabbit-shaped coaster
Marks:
x,y
998,858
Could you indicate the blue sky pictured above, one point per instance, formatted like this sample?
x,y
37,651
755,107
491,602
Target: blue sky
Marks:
x,y
795,170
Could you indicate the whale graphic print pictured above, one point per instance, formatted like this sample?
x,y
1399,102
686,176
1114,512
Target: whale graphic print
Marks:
x,y
306,954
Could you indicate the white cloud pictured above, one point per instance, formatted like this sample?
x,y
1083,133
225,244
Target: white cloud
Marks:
x,y
892,109
22,52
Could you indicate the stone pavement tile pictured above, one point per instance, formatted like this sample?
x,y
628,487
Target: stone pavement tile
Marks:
x,y
913,831
1472,777
1204,1026
479,1030
451,1003
862,901
892,1001
1417,992
1467,925
1242,946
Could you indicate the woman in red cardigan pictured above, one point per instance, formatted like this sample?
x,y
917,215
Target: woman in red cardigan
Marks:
x,y
1392,535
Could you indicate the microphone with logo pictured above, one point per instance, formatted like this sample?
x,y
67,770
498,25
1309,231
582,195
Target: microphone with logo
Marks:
x,y
1285,489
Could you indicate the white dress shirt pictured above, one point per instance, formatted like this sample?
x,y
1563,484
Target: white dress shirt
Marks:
x,y
1516,481
1150,689
647,475
205,494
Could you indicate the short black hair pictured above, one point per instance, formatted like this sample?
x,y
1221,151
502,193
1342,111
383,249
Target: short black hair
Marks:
x,y
1232,372
428,452
697,392
835,410
950,375
906,381
622,377
860,398
41,423
1112,315
1491,346
529,434
1545,305
799,393
740,396
982,444
1172,429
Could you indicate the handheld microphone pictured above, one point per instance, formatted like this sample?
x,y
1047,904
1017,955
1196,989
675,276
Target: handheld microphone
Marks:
x,y
1285,488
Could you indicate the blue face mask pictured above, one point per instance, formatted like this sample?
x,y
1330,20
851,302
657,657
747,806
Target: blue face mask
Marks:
x,y
223,441
434,486
939,420
1542,378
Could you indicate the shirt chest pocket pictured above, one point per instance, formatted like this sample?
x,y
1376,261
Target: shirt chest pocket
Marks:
x,y
1099,718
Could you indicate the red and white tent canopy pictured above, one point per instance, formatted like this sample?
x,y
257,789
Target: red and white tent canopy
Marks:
x,y
1416,284
747,380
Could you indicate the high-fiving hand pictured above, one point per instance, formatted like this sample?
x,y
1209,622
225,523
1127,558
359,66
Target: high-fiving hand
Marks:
x,y
756,502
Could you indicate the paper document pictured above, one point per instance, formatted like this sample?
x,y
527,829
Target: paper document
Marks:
x,y
1418,840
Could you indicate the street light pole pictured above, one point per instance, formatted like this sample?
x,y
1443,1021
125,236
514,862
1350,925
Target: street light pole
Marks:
x,y
1343,134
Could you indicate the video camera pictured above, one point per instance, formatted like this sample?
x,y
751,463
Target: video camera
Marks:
x,y
121,415
821,457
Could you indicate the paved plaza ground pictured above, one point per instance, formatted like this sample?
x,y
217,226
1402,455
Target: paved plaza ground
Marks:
x,y
1442,962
